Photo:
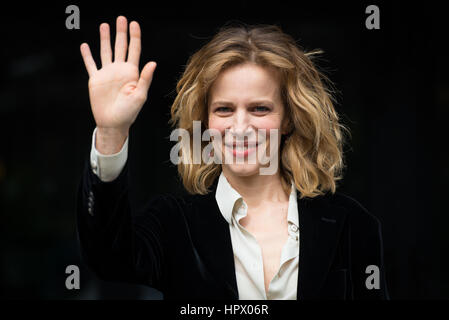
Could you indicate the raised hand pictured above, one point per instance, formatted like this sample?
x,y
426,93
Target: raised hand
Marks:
x,y
117,92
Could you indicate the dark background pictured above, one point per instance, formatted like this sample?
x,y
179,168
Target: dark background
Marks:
x,y
394,97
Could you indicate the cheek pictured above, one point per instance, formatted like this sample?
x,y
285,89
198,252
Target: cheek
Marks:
x,y
267,123
218,123
270,123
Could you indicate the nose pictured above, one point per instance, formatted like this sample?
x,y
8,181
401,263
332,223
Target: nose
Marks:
x,y
241,125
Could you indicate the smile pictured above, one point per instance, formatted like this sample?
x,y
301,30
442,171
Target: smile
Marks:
x,y
242,149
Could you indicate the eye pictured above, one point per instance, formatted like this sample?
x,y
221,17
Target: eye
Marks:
x,y
260,109
223,110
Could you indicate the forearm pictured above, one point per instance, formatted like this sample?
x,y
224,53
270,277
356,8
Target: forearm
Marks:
x,y
105,227
110,244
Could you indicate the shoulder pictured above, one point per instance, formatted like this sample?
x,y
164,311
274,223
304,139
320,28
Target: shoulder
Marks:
x,y
355,212
362,227
177,203
167,202
182,212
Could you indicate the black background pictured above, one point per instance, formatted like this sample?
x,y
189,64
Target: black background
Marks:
x,y
394,96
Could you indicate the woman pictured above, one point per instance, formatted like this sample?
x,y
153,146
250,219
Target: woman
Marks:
x,y
270,227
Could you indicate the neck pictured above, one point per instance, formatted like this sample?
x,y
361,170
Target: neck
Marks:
x,y
256,189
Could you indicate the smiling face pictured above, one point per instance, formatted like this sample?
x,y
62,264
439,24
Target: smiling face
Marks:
x,y
244,100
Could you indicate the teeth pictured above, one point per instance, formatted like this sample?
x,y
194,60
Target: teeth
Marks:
x,y
241,148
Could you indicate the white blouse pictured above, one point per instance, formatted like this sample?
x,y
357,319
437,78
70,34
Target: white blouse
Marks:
x,y
247,252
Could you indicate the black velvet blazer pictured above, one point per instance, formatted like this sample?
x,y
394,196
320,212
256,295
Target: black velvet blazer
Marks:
x,y
182,245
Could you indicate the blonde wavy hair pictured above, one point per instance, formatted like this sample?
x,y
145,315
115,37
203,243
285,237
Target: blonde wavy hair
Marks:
x,y
311,154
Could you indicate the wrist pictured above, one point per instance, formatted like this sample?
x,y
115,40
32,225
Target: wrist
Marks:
x,y
110,140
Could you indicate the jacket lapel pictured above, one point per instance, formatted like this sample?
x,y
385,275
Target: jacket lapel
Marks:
x,y
320,228
213,242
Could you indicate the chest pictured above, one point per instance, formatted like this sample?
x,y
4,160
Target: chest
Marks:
x,y
271,233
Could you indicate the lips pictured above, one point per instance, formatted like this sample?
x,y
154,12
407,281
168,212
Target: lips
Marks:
x,y
242,149
245,144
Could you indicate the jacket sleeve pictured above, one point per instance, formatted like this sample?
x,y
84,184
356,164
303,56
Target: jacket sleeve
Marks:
x,y
116,244
367,256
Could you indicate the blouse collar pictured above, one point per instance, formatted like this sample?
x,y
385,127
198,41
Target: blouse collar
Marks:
x,y
227,197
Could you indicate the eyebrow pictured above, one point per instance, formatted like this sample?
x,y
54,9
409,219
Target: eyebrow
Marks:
x,y
256,102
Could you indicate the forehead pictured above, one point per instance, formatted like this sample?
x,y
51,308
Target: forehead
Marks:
x,y
245,82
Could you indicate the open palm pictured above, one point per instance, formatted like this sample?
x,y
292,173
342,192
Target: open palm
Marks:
x,y
117,92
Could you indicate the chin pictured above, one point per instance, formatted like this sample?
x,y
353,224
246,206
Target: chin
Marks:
x,y
243,170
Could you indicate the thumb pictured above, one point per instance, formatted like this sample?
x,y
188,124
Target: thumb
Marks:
x,y
146,76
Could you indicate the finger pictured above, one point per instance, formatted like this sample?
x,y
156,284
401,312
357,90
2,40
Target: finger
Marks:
x,y
146,76
134,43
89,62
121,39
105,44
